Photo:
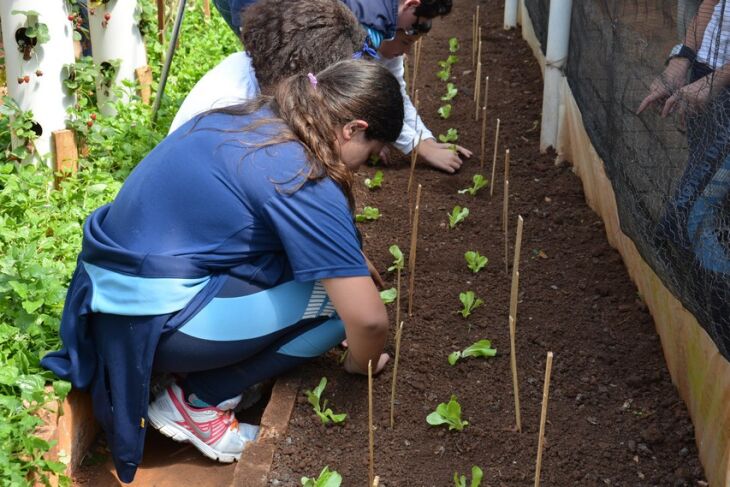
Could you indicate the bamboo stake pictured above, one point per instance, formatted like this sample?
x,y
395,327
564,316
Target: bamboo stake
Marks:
x,y
206,8
494,159
414,156
397,299
376,481
477,31
506,165
516,270
505,209
486,90
161,21
543,417
473,38
412,255
478,84
515,382
398,335
417,61
484,134
371,437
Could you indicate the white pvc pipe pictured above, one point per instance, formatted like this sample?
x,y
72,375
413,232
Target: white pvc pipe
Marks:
x,y
556,56
510,14
44,95
115,35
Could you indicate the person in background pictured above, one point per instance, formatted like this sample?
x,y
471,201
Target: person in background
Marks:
x,y
230,256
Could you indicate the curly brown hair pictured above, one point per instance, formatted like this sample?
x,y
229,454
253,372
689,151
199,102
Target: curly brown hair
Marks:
x,y
291,37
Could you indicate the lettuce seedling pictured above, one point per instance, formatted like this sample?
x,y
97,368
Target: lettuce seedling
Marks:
x,y
325,414
482,348
445,111
327,478
451,136
448,413
445,71
398,260
478,182
375,182
476,478
457,215
452,59
451,92
374,159
453,44
389,295
470,302
368,214
475,260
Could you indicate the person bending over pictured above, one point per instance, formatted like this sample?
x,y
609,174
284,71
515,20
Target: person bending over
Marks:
x,y
230,256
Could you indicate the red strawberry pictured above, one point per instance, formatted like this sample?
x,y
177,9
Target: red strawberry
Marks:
x,y
38,72
89,123
26,78
71,17
107,16
93,116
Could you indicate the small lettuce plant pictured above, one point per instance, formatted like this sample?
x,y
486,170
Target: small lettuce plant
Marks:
x,y
398,260
457,215
327,478
476,478
469,303
475,261
478,182
389,295
445,111
449,414
453,45
368,214
482,348
451,92
375,182
324,413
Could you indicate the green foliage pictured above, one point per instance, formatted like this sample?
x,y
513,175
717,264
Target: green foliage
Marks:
x,y
452,135
451,92
478,182
449,414
445,111
33,28
469,303
482,348
374,159
453,45
368,214
324,413
476,478
452,59
21,125
389,295
398,260
327,478
457,215
475,261
375,182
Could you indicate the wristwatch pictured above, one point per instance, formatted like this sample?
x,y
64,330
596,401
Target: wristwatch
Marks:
x,y
680,50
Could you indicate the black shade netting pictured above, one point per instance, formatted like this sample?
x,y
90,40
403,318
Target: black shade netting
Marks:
x,y
670,164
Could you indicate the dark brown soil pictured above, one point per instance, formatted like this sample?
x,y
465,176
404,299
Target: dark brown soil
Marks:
x,y
614,417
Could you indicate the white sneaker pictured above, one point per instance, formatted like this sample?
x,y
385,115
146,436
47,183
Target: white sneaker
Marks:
x,y
212,430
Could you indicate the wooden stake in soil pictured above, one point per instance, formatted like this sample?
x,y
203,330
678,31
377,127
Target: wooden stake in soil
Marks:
x,y
398,335
516,270
506,165
505,211
412,254
206,9
144,79
494,159
478,72
486,90
417,61
161,21
371,436
473,38
376,481
543,417
477,82
414,156
477,36
397,299
484,133
515,382
66,154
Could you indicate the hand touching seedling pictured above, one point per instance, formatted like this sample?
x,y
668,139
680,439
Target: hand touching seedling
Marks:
x,y
476,478
325,415
448,413
457,215
327,478
375,182
368,214
475,260
470,302
478,181
482,348
451,136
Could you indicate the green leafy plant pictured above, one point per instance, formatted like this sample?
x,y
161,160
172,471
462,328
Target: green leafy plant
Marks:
x,y
475,261
33,34
368,214
324,413
476,478
482,348
389,295
449,414
326,478
453,45
450,137
445,72
374,159
445,111
457,215
478,182
398,260
22,126
469,302
451,92
375,182
452,59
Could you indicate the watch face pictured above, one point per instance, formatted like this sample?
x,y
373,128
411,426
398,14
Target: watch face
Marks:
x,y
675,50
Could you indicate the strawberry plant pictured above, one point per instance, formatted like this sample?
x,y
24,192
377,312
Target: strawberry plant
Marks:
x,y
476,478
324,413
368,214
389,295
457,215
482,348
375,182
30,37
469,303
451,92
22,126
398,260
449,414
478,182
327,478
445,111
475,261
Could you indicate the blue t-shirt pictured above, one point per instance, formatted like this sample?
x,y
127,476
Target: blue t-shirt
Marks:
x,y
209,196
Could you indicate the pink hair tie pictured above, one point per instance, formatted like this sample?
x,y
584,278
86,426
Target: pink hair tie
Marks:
x,y
312,79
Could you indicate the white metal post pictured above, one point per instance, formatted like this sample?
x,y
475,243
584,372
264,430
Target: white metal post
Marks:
x,y
556,56
36,84
115,36
510,14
